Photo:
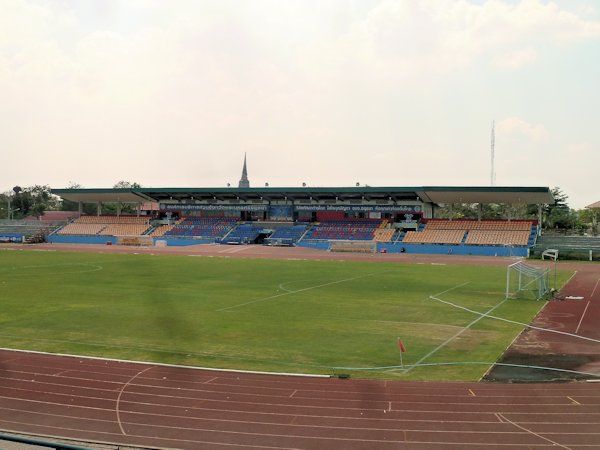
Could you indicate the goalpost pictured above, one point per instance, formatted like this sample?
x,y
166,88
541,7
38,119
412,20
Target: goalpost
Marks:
x,y
526,281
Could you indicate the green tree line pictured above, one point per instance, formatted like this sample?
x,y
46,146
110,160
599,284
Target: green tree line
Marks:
x,y
33,201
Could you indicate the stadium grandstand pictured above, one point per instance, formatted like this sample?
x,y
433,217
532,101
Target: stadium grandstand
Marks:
x,y
385,219
34,229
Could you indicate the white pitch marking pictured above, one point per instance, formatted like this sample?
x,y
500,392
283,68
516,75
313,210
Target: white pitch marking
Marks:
x,y
501,319
271,297
117,409
533,432
581,320
451,338
593,292
234,249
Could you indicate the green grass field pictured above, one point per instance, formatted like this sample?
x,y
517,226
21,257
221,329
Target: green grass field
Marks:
x,y
272,315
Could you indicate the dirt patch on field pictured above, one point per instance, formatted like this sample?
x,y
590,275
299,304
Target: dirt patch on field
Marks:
x,y
565,345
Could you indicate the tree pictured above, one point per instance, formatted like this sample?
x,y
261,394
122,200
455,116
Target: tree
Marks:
x,y
589,219
127,208
558,214
127,185
68,205
4,205
32,201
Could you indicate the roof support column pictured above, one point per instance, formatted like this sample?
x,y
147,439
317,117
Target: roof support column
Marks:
x,y
118,209
98,208
479,211
539,228
79,208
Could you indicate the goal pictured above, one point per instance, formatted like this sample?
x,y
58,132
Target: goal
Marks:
x,y
524,281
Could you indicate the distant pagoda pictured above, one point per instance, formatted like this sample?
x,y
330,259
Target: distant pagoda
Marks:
x,y
244,182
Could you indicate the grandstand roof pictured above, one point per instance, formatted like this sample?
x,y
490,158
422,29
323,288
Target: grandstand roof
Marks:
x,y
594,205
433,194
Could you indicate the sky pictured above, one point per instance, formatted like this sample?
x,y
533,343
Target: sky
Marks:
x,y
323,92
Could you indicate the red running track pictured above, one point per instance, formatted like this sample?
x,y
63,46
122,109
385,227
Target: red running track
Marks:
x,y
173,407
156,406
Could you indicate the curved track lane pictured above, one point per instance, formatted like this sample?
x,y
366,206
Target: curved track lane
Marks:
x,y
173,407
155,406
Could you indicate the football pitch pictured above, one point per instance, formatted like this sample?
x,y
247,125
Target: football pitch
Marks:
x,y
295,316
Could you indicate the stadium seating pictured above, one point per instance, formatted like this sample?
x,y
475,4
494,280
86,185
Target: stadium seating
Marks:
x,y
202,227
114,219
474,232
384,235
161,230
107,226
28,227
347,229
287,235
124,229
434,237
82,229
493,225
243,234
487,237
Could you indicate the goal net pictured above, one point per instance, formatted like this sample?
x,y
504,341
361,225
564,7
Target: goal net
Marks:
x,y
524,281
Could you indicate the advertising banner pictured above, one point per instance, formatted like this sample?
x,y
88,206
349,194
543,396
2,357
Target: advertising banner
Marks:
x,y
213,207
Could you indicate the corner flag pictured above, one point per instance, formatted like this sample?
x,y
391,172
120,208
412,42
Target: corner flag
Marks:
x,y
401,346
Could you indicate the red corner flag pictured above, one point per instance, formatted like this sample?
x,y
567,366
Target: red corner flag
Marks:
x,y
401,346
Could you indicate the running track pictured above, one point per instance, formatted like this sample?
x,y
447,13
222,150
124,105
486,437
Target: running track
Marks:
x,y
172,407
158,406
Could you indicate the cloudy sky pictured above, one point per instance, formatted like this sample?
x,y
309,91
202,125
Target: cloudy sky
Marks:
x,y
327,92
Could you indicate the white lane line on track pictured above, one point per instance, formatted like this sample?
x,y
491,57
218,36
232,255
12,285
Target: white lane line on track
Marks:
x,y
349,425
328,438
183,394
118,405
291,437
275,401
533,432
582,316
594,290
254,414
